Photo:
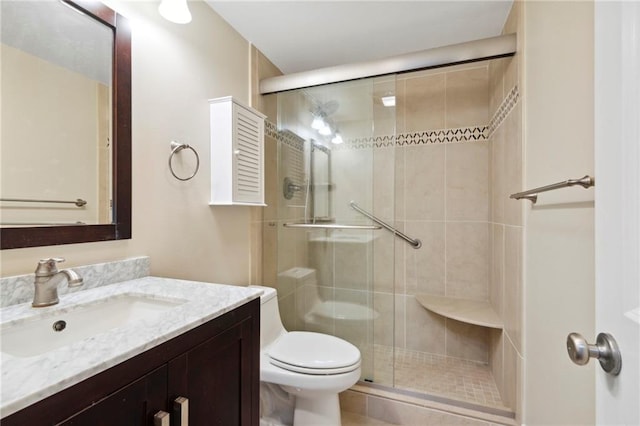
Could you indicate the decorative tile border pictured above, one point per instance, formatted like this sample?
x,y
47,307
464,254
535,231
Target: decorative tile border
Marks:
x,y
270,129
428,137
463,134
504,110
366,143
285,136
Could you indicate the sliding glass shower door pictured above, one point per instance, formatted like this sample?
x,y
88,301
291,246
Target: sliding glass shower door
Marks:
x,y
335,267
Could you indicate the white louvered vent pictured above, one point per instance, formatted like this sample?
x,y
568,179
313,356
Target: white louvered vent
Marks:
x,y
237,166
248,157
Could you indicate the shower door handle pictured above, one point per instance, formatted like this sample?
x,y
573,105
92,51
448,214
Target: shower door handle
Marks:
x,y
605,350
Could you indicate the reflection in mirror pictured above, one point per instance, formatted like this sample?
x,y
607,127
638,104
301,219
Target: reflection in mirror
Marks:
x,y
320,165
56,115
65,172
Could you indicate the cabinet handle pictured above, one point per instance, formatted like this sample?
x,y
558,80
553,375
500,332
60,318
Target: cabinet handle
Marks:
x,y
161,418
181,411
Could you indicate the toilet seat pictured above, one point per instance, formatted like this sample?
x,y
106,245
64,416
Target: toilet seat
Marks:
x,y
313,353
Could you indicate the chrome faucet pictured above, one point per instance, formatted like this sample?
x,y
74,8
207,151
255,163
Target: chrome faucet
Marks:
x,y
47,279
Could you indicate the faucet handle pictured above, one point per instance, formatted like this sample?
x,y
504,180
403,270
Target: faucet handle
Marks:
x,y
47,267
54,259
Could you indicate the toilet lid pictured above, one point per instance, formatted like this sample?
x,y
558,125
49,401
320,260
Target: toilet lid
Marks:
x,y
314,353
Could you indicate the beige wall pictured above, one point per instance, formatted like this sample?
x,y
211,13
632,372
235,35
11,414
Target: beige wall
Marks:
x,y
176,68
41,157
559,229
263,260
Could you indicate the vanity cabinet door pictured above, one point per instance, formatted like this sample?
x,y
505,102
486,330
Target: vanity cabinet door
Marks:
x,y
218,377
133,405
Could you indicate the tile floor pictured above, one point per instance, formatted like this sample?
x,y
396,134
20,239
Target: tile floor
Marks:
x,y
438,375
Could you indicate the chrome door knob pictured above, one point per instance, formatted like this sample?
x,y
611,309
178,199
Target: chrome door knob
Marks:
x,y
605,350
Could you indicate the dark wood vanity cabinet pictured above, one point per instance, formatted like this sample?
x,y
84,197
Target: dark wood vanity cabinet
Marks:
x,y
215,366
131,405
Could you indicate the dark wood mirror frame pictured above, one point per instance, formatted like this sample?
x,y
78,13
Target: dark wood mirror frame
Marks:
x,y
120,228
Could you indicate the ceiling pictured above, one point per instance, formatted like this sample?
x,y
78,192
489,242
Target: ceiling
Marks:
x,y
303,35
57,33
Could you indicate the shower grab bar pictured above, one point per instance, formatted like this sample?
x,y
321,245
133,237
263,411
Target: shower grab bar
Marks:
x,y
532,194
329,226
414,242
79,202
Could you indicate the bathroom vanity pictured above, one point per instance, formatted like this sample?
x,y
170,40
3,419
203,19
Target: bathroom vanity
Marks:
x,y
191,351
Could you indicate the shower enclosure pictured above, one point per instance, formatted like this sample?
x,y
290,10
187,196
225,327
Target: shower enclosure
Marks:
x,y
330,161
416,151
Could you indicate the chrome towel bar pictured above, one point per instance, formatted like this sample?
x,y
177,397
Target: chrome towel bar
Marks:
x,y
414,242
532,194
329,226
79,202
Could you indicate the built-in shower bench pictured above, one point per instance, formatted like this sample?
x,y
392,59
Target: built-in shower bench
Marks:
x,y
464,310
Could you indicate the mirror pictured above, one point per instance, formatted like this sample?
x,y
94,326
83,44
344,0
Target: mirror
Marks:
x,y
320,172
66,134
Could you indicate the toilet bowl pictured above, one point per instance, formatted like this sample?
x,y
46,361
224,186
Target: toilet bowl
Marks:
x,y
312,367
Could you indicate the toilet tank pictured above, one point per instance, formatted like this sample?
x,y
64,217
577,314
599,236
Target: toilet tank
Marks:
x,y
297,277
270,323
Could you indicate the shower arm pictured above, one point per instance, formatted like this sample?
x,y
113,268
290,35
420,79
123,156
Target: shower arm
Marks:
x,y
413,242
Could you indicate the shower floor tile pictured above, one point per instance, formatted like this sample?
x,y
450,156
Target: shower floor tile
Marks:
x,y
438,375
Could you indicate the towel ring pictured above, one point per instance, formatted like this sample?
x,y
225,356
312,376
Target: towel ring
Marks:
x,y
177,147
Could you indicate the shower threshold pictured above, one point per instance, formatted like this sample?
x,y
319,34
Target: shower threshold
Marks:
x,y
453,403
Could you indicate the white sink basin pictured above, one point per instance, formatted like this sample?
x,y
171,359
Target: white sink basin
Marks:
x,y
37,335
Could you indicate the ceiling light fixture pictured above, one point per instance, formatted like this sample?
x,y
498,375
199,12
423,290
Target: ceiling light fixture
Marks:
x,y
337,139
317,123
321,121
325,130
175,11
389,101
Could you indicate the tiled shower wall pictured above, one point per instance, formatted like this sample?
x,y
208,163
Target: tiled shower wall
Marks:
x,y
441,193
506,230
452,192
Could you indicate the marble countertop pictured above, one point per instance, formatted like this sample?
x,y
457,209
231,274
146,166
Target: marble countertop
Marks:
x,y
26,380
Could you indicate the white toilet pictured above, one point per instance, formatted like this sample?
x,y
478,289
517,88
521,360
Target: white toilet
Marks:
x,y
312,367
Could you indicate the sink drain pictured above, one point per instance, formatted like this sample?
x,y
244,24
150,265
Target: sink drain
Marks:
x,y
59,325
